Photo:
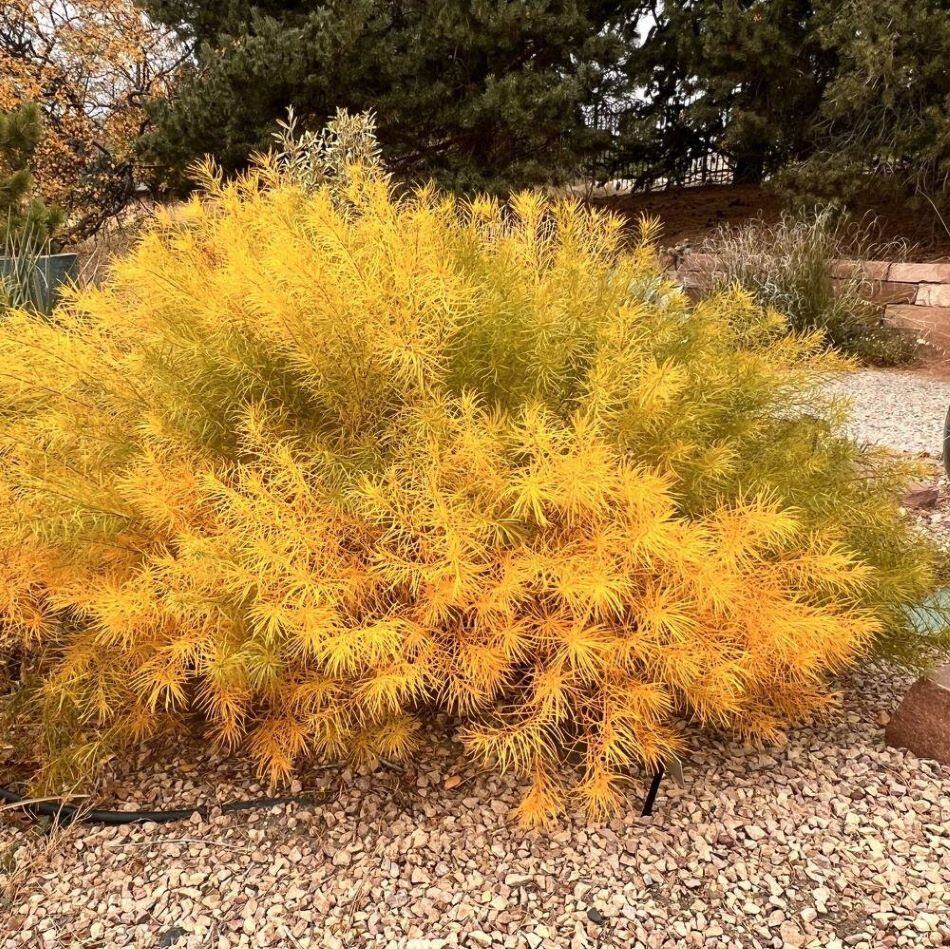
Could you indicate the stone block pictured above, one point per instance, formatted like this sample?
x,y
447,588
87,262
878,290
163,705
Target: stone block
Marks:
x,y
889,291
921,497
873,269
932,294
886,291
919,273
930,322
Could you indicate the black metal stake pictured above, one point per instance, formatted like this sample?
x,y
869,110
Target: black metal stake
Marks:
x,y
654,787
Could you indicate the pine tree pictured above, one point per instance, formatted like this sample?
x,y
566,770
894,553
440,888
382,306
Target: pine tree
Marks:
x,y
819,92
483,94
741,78
887,106
21,213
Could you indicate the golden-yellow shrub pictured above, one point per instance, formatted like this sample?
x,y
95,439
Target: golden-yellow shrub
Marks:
x,y
312,465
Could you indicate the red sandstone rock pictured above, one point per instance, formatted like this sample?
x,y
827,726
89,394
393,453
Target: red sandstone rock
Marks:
x,y
919,273
931,322
872,269
932,294
921,497
704,263
886,291
922,721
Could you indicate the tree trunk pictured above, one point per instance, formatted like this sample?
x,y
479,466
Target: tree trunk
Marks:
x,y
749,170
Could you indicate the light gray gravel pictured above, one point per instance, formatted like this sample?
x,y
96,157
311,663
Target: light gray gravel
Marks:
x,y
899,409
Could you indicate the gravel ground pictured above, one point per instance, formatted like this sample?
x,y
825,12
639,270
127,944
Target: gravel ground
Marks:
x,y
897,408
830,840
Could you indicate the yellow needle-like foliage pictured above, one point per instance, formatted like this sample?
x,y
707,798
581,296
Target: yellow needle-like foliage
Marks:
x,y
312,463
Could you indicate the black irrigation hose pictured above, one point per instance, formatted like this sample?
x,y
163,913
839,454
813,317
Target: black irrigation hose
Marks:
x,y
67,813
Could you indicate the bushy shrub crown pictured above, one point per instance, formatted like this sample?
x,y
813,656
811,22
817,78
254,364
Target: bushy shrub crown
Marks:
x,y
315,460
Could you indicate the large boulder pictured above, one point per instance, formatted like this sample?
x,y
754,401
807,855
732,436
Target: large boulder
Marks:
x,y
922,721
